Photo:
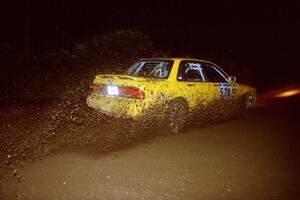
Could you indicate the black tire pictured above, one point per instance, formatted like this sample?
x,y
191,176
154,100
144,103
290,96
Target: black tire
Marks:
x,y
248,102
244,104
177,115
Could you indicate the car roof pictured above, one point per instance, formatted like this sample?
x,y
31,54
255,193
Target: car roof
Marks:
x,y
182,59
178,59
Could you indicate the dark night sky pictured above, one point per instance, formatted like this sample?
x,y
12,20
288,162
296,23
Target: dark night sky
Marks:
x,y
264,36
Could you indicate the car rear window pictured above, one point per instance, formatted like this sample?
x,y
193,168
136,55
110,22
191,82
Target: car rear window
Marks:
x,y
151,68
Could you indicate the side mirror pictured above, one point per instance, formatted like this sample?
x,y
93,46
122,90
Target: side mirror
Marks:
x,y
231,79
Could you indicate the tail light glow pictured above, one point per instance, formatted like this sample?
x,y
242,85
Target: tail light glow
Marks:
x,y
122,91
132,92
96,88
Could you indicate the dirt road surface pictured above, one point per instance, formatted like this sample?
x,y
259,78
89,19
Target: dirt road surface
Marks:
x,y
252,157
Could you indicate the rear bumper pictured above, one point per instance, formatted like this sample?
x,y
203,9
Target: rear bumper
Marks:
x,y
119,107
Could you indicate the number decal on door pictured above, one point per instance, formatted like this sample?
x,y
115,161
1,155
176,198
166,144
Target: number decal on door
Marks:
x,y
227,92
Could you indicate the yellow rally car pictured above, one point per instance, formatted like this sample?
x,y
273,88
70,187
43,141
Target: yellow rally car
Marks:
x,y
168,87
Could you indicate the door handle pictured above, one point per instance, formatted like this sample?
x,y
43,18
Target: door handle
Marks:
x,y
216,84
190,84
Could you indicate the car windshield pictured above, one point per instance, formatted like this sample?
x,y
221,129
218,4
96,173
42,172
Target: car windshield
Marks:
x,y
151,68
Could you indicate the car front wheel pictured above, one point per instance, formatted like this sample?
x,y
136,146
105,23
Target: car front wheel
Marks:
x,y
248,102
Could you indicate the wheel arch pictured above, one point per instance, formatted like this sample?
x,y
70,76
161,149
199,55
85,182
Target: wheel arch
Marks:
x,y
182,99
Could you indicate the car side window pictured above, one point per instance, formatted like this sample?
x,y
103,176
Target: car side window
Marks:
x,y
213,74
190,71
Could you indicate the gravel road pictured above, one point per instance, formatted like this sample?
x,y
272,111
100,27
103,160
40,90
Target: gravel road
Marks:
x,y
252,157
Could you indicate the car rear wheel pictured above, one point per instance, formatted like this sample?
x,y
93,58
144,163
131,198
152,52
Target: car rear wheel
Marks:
x,y
177,115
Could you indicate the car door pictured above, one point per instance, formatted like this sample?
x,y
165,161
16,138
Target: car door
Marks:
x,y
192,82
224,91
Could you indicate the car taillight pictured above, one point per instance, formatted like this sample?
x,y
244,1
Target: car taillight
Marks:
x,y
117,90
132,92
96,88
